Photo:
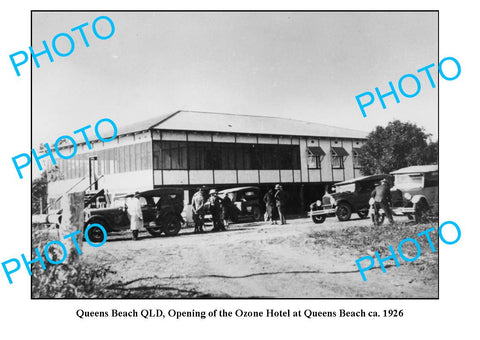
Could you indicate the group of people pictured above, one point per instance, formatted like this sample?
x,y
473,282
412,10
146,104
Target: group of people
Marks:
x,y
275,198
219,208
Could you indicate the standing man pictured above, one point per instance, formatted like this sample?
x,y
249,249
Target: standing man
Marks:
x,y
216,210
281,202
134,208
226,211
383,199
198,209
269,200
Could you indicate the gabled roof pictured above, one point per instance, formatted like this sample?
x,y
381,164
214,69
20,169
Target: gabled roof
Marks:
x,y
416,169
230,123
249,124
143,125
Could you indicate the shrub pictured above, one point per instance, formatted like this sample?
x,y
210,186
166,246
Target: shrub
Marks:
x,y
66,280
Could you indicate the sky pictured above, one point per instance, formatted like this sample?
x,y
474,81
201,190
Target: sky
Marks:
x,y
300,65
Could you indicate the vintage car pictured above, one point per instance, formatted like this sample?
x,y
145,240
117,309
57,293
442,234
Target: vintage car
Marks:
x,y
246,203
419,188
161,209
350,196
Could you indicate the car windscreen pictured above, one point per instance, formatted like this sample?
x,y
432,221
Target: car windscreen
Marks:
x,y
119,202
408,181
345,188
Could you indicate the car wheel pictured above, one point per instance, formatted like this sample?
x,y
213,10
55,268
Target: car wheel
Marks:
x,y
172,226
362,214
257,214
157,231
420,210
95,234
344,212
318,218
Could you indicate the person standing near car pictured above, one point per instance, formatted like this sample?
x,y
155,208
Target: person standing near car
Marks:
x,y
215,210
281,202
134,209
269,200
226,211
383,199
198,209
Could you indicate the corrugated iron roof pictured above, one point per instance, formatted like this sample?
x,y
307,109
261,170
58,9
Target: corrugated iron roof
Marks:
x,y
143,125
236,123
229,123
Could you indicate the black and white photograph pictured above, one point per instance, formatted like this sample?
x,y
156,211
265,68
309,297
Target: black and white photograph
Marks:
x,y
238,170
235,155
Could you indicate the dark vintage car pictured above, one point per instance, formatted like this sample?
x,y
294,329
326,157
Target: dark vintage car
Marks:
x,y
419,190
161,209
246,203
350,196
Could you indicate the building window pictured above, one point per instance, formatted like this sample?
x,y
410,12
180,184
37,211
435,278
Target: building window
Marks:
x,y
224,156
268,159
170,155
338,156
315,156
287,156
200,156
356,158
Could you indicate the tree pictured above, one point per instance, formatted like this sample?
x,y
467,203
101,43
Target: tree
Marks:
x,y
40,184
39,193
396,146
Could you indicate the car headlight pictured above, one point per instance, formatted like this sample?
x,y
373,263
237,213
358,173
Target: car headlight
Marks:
x,y
319,203
407,196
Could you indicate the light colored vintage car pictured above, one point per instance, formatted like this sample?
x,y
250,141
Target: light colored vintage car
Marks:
x,y
419,187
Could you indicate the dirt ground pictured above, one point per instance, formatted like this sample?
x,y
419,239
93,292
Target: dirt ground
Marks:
x,y
259,260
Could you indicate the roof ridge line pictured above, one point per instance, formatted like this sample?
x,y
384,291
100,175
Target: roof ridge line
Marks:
x,y
164,119
271,117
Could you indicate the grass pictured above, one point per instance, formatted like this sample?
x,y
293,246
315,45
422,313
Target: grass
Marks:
x,y
82,280
366,240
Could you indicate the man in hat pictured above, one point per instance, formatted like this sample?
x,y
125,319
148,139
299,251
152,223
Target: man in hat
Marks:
x,y
281,202
269,200
216,210
134,209
383,199
198,208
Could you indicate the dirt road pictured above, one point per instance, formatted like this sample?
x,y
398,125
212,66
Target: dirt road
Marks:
x,y
251,260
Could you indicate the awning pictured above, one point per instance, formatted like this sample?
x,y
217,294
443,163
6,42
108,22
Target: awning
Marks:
x,y
356,151
339,151
316,151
